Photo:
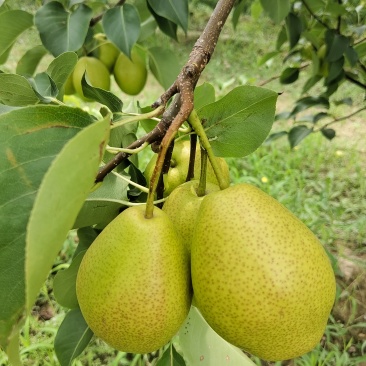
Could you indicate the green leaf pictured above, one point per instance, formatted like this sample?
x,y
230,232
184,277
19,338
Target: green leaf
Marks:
x,y
336,45
360,49
173,10
171,357
166,26
276,9
64,284
103,204
102,96
204,94
164,65
294,29
60,196
60,30
308,102
351,55
310,83
122,26
297,134
238,10
72,337
62,67
237,124
30,60
86,236
335,71
281,38
329,133
203,346
275,136
12,24
30,140
256,9
44,87
15,90
266,57
289,75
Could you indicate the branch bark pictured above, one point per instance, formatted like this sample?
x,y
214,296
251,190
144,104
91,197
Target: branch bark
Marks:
x,y
183,87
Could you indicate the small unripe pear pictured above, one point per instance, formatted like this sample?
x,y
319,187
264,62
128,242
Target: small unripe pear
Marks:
x,y
133,285
179,167
182,207
261,278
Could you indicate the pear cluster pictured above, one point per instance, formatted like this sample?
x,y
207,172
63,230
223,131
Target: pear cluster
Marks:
x,y
258,275
129,72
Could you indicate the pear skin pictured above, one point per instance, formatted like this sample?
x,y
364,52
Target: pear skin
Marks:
x,y
179,167
133,285
261,278
182,207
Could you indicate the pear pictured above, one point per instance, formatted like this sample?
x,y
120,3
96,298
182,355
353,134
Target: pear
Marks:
x,y
179,167
261,278
133,285
182,207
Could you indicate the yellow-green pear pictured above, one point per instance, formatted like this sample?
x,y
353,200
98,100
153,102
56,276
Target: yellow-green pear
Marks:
x,y
261,278
97,74
133,285
182,207
108,54
131,73
179,167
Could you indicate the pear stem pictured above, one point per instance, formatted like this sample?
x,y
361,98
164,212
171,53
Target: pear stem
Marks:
x,y
201,190
200,131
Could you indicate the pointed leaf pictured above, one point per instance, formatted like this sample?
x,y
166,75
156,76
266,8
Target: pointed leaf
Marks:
x,y
102,96
30,60
72,337
238,124
62,67
164,65
294,29
310,83
64,284
276,9
336,45
44,87
15,90
308,102
297,134
201,345
171,357
275,136
60,30
60,197
266,57
174,10
166,26
12,24
122,26
30,139
204,94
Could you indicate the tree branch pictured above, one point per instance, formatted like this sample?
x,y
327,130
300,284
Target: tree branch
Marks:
x,y
355,81
184,86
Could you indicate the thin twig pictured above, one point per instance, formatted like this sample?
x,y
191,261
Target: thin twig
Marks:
x,y
355,81
339,119
314,15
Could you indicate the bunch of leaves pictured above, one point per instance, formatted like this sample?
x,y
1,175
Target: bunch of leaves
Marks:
x,y
325,42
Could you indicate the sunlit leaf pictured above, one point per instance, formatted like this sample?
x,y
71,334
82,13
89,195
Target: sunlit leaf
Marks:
x,y
238,124
30,60
204,94
276,9
202,346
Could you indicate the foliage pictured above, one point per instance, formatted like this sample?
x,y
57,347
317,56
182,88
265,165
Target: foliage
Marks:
x,y
52,150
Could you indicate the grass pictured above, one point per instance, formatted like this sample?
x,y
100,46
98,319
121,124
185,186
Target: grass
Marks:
x,y
322,182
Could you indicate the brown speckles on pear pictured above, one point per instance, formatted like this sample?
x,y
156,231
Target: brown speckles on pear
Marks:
x,y
259,274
